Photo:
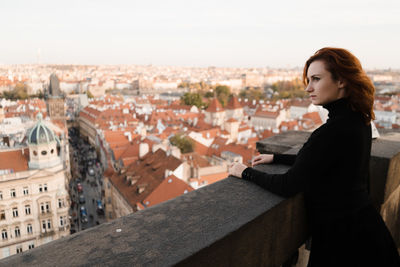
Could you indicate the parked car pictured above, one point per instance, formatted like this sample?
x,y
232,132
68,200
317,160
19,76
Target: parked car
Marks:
x,y
79,187
84,218
99,208
91,171
82,199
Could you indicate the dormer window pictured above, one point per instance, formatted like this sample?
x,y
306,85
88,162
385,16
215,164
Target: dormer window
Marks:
x,y
44,152
34,152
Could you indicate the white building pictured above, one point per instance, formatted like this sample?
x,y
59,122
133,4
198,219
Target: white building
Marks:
x,y
34,202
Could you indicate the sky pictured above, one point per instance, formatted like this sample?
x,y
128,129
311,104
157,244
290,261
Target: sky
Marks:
x,y
278,34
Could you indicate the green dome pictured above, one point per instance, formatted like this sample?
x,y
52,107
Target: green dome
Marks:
x,y
40,133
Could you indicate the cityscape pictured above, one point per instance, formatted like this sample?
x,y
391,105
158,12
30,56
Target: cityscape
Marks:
x,y
119,121
85,145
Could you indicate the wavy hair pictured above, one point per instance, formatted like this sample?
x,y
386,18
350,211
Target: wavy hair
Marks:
x,y
345,66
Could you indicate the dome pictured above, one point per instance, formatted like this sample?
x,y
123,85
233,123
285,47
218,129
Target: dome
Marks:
x,y
40,133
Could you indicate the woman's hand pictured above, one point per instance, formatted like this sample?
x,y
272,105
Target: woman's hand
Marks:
x,y
236,169
262,159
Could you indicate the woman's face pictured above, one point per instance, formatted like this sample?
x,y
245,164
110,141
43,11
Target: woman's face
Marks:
x,y
321,87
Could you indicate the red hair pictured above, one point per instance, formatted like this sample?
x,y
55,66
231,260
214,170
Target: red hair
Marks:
x,y
344,66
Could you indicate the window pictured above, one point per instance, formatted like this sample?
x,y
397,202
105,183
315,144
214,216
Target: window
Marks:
x,y
35,152
45,187
43,226
40,188
15,212
19,249
45,207
12,193
61,203
27,209
31,246
17,232
44,152
2,215
63,220
26,191
48,224
1,195
4,234
29,229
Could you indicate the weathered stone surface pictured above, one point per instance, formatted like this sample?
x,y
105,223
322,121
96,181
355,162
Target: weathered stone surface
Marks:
x,y
283,142
381,183
229,223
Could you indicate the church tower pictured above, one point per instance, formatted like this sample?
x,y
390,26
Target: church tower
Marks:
x,y
55,99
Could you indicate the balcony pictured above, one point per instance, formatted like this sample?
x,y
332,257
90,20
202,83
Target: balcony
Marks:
x,y
45,214
229,223
47,233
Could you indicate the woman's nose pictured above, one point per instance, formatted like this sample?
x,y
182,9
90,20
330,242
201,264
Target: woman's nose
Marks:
x,y
309,88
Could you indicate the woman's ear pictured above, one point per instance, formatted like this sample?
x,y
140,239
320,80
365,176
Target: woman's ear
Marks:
x,y
342,84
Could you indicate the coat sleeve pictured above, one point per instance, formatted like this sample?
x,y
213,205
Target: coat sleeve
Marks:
x,y
317,156
287,159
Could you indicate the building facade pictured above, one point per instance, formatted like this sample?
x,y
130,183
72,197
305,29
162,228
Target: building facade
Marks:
x,y
34,202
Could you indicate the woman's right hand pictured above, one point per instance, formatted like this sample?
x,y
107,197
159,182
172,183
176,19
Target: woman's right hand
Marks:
x,y
262,159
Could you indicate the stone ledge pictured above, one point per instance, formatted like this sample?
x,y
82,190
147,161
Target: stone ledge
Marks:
x,y
229,223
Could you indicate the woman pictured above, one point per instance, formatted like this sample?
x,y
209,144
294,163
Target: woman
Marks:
x,y
332,167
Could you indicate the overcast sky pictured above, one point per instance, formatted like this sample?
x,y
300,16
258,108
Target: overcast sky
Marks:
x,y
197,33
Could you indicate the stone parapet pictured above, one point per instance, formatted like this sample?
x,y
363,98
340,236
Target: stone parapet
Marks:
x,y
230,223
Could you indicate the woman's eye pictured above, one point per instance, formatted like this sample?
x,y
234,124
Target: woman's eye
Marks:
x,y
316,78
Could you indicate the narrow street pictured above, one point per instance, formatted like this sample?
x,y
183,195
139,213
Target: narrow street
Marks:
x,y
85,186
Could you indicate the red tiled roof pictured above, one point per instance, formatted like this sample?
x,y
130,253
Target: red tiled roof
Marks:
x,y
14,160
266,114
144,176
300,102
171,187
314,116
212,178
215,106
198,147
195,159
233,103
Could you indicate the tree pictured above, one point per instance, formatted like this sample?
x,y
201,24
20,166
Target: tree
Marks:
x,y
289,89
192,99
184,144
223,93
39,94
20,91
89,94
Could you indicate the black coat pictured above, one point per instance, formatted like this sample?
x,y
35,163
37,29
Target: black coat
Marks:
x,y
332,170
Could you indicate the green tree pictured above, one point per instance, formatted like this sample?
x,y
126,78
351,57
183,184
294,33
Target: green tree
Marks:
x,y
289,89
20,91
209,94
39,94
192,99
89,94
223,93
184,144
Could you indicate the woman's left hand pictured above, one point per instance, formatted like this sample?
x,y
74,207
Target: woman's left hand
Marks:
x,y
236,169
